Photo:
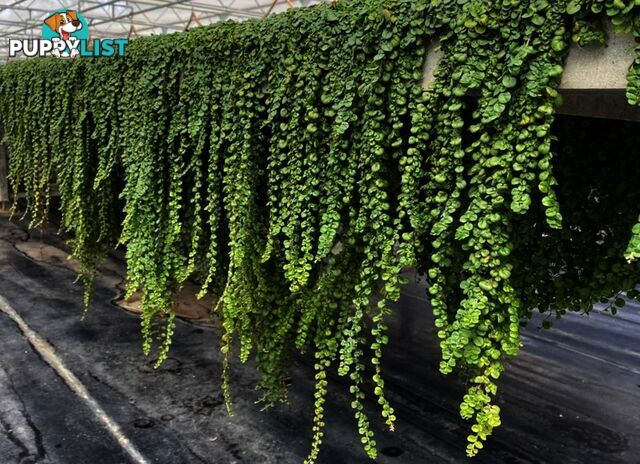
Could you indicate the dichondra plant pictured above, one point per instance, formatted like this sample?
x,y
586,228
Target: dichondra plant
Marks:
x,y
296,168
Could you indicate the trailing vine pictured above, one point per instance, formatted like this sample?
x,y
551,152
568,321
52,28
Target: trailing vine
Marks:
x,y
296,168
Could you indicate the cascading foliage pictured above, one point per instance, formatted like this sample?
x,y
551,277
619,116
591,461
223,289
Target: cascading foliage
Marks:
x,y
295,167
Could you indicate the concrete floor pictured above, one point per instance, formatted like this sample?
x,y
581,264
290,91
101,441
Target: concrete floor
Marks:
x,y
571,396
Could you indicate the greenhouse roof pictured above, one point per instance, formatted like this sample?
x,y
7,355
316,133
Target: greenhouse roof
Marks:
x,y
23,19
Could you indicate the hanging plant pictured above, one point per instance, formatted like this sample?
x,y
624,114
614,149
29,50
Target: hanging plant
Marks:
x,y
296,168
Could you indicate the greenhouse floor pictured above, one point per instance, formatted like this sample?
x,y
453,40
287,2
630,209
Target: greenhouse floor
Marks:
x,y
571,396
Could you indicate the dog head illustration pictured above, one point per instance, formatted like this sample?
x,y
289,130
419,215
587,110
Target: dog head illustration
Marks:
x,y
64,23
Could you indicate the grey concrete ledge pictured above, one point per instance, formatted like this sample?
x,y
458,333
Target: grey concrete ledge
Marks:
x,y
594,79
594,67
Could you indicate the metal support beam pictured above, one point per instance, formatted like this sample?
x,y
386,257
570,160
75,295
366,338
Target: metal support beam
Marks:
x,y
14,4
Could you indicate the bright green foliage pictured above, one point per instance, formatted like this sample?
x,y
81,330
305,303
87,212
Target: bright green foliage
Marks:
x,y
295,167
71,140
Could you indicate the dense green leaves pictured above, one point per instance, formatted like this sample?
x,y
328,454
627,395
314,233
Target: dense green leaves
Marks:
x,y
295,168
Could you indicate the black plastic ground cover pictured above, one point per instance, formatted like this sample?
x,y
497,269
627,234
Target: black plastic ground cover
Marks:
x,y
571,396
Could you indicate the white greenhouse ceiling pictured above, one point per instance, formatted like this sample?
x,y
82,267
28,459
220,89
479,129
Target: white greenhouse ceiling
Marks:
x,y
23,19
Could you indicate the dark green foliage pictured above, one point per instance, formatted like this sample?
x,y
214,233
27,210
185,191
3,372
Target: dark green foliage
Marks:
x,y
295,167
